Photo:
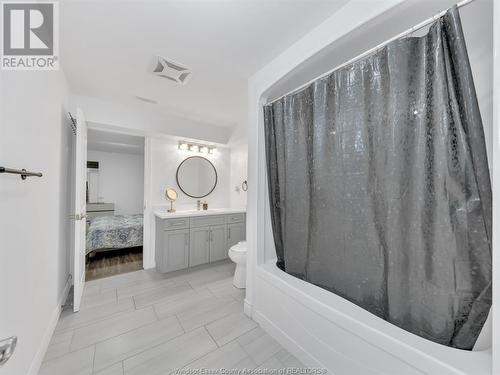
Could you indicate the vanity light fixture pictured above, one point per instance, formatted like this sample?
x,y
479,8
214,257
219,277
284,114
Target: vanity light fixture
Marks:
x,y
196,148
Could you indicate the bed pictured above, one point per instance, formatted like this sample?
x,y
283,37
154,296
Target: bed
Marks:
x,y
114,232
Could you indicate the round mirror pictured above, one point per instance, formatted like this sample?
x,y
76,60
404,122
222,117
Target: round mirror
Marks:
x,y
171,194
196,177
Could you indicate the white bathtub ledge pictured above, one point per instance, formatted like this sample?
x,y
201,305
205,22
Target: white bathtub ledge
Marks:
x,y
416,351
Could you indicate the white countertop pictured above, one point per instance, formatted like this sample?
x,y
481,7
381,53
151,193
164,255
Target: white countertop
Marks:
x,y
163,214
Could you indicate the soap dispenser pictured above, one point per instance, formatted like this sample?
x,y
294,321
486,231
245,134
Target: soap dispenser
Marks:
x,y
205,206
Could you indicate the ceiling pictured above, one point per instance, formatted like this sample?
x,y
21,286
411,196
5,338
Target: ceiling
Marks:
x,y
98,140
107,48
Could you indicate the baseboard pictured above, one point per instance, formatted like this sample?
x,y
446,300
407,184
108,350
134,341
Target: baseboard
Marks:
x,y
51,327
286,341
247,308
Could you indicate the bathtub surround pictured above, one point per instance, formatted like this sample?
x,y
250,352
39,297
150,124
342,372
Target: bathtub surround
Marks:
x,y
383,200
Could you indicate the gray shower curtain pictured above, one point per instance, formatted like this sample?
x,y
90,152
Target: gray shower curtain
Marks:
x,y
380,190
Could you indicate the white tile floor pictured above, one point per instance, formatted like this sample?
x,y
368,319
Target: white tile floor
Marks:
x,y
148,323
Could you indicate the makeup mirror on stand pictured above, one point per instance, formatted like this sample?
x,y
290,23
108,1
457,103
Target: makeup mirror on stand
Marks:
x,y
171,195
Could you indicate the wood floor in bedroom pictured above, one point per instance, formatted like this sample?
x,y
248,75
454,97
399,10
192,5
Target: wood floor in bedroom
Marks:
x,y
113,262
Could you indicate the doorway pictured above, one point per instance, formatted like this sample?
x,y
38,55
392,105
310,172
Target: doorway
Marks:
x,y
115,200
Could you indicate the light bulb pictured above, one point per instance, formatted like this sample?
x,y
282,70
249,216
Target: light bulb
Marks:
x,y
183,146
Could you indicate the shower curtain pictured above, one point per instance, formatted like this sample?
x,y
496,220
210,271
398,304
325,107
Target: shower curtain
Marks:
x,y
379,186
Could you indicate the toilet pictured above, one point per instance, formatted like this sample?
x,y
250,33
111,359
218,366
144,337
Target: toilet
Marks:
x,y
238,254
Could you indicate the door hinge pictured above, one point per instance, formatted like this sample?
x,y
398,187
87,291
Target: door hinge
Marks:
x,y
78,217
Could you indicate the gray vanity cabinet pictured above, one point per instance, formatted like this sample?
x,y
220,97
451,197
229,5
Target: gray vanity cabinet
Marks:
x,y
208,244
191,241
235,234
199,248
218,244
174,255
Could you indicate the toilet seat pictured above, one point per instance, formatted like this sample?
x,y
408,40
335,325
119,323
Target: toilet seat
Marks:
x,y
240,247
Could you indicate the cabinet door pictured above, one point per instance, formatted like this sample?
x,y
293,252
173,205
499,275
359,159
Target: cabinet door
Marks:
x,y
218,243
235,234
199,246
175,250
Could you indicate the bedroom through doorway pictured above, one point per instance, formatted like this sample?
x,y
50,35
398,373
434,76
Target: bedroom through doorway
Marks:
x,y
115,201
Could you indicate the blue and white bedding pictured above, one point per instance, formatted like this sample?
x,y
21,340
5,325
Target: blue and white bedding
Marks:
x,y
114,232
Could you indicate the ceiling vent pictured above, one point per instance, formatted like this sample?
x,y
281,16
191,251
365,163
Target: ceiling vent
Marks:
x,y
171,70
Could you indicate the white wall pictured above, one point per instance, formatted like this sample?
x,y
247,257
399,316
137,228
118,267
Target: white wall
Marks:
x,y
149,119
121,180
166,157
238,142
239,170
34,224
318,329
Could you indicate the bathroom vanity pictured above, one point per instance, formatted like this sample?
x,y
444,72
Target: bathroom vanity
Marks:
x,y
190,238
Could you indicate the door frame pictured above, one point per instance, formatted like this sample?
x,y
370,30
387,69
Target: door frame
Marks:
x,y
148,259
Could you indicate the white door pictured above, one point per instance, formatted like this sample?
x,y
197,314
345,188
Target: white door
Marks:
x,y
80,208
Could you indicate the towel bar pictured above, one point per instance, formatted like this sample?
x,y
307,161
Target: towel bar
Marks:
x,y
23,172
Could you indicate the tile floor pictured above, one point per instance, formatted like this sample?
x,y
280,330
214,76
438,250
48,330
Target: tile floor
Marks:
x,y
148,323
